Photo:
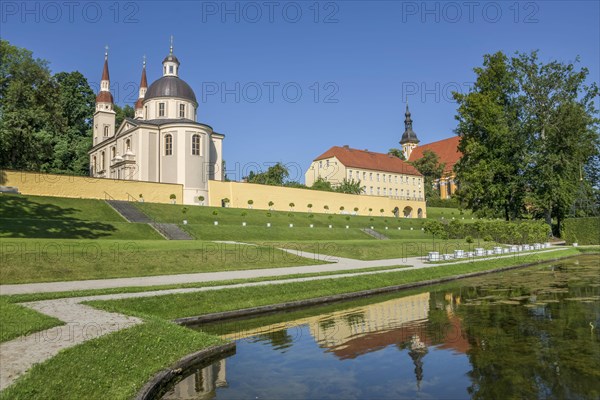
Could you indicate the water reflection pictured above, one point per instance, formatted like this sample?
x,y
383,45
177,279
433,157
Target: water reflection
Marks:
x,y
520,334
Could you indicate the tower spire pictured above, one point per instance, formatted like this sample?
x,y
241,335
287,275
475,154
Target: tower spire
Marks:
x,y
409,138
139,107
171,47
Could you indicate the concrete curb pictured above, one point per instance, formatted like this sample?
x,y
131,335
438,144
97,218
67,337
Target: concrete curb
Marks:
x,y
157,386
249,312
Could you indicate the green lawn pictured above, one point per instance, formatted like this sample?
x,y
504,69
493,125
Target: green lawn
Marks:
x,y
57,217
16,320
114,366
47,260
378,249
449,213
235,216
199,303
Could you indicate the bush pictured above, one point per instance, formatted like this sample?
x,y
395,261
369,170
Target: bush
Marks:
x,y
347,218
311,215
244,214
268,215
469,239
581,230
488,238
215,212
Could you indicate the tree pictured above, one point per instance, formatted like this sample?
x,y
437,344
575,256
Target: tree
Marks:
x,y
397,153
275,175
490,172
123,112
30,114
349,186
429,165
322,184
77,103
561,128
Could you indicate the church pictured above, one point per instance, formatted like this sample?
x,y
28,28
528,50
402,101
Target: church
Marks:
x,y
163,143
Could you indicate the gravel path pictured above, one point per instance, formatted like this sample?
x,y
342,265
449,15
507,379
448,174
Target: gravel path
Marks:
x,y
84,322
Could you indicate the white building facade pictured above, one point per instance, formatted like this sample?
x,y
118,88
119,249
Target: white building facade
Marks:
x,y
163,143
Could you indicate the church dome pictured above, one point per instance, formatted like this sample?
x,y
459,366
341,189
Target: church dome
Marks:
x,y
170,86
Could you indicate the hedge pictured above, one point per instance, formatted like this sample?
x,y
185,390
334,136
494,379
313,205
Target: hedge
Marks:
x,y
581,230
521,232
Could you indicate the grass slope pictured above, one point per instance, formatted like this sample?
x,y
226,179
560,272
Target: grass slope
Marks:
x,y
17,321
56,217
46,260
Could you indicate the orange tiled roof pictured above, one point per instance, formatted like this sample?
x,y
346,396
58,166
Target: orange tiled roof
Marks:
x,y
369,160
446,149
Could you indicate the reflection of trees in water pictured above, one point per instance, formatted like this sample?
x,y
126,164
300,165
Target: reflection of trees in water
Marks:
x,y
280,340
541,345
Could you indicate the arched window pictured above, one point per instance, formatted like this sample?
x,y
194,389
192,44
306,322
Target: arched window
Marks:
x,y
127,145
94,164
168,145
113,152
105,130
195,145
102,161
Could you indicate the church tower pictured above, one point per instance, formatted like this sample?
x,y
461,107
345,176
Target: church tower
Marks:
x,y
139,106
409,138
104,116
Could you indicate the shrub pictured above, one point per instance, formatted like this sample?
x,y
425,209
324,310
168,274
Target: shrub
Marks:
x,y
184,210
581,230
268,215
469,239
244,213
250,202
347,218
309,205
201,198
488,238
271,204
355,209
215,212
141,196
225,200
172,196
292,205
330,217
342,208
291,215
311,215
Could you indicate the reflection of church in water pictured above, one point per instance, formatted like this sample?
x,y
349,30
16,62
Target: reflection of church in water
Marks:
x,y
350,333
201,384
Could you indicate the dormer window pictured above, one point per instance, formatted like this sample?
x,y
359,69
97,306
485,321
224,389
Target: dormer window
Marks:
x,y
170,69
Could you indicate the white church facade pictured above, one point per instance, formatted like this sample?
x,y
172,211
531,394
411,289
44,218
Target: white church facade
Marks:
x,y
163,143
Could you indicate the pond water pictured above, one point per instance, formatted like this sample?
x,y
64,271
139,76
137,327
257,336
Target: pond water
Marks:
x,y
522,334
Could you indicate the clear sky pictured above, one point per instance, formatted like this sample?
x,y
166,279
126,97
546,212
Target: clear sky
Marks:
x,y
286,80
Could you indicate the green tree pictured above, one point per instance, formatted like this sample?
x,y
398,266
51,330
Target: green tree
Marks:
x,y
490,172
349,186
561,127
123,112
77,103
397,153
274,175
322,184
429,165
30,115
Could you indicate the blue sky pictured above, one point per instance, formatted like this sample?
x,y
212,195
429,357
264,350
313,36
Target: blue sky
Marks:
x,y
286,80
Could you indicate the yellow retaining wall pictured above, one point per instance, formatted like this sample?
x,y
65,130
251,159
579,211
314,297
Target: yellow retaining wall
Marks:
x,y
40,184
239,193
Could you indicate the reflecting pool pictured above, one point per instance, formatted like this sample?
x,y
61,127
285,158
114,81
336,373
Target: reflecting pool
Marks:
x,y
523,334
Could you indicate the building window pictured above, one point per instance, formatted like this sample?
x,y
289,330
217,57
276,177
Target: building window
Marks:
x,y
371,177
320,164
395,178
102,161
127,145
327,164
364,176
161,109
113,152
414,193
94,164
384,191
170,69
349,174
182,111
371,190
195,145
168,145
145,112
377,177
384,177
389,178
105,130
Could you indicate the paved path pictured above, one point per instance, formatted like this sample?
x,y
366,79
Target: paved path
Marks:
x,y
84,322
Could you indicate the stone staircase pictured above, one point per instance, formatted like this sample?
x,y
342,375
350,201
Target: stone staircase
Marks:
x,y
133,214
375,234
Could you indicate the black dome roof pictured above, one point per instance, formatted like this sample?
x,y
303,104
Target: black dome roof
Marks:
x,y
170,86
